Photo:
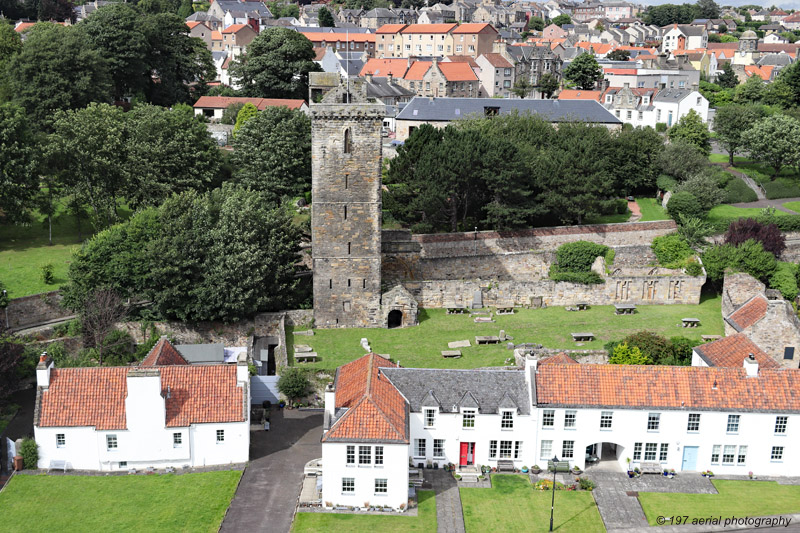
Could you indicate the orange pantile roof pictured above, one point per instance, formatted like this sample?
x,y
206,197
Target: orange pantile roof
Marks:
x,y
498,61
163,354
390,28
375,410
463,59
318,37
234,28
222,102
749,313
457,72
216,35
473,28
560,359
192,23
667,387
22,26
383,67
428,28
599,48
417,70
732,351
764,71
577,94
95,397
723,46
319,53
620,71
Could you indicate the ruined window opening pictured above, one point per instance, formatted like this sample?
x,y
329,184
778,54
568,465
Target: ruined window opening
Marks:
x,y
364,286
346,180
348,142
348,282
330,283
348,248
345,212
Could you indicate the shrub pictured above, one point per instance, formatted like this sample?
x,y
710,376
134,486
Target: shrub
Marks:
x,y
46,273
784,279
780,189
704,188
30,454
682,350
671,250
684,204
609,258
625,355
693,268
578,256
716,259
661,127
657,348
769,235
587,278
737,191
71,328
666,183
230,113
748,257
118,348
694,230
293,383
586,483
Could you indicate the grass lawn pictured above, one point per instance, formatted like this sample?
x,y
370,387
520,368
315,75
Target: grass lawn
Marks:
x,y
512,504
785,185
735,498
420,346
651,209
794,206
723,158
187,502
610,219
729,212
424,522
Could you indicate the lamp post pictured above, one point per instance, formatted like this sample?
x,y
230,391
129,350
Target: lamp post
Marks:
x,y
553,501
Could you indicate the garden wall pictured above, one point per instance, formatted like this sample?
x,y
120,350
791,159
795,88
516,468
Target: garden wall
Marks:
x,y
35,309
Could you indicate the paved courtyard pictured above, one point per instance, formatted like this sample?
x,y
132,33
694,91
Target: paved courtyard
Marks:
x,y
267,494
449,517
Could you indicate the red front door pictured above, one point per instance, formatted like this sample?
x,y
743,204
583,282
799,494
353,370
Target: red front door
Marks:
x,y
464,452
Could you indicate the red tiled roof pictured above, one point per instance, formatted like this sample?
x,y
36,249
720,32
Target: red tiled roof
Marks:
x,y
376,411
457,72
96,396
319,53
390,28
428,28
163,354
22,26
620,71
474,28
560,359
732,351
417,70
497,60
234,28
216,35
764,72
222,102
723,46
577,94
667,387
463,59
192,23
383,67
749,313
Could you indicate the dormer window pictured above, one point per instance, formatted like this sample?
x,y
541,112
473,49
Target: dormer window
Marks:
x,y
608,98
430,418
468,419
507,420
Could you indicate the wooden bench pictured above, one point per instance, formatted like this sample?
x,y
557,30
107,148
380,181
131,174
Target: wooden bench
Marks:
x,y
505,465
505,311
624,309
690,322
578,337
456,310
58,465
561,466
305,357
650,468
487,339
455,354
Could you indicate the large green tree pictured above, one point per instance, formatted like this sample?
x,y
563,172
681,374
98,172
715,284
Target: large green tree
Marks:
x,y
57,69
666,14
750,92
548,84
691,129
790,75
618,55
535,24
584,71
10,42
18,183
708,9
636,153
325,18
273,153
276,65
730,123
561,20
728,78
773,141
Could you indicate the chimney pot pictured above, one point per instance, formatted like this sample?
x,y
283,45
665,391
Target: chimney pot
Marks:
x,y
43,357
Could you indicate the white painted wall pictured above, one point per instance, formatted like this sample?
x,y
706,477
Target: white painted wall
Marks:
x,y
394,469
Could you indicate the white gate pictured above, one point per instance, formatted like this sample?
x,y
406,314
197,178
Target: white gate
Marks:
x,y
263,388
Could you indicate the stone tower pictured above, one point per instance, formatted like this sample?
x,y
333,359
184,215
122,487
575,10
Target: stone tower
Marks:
x,y
346,203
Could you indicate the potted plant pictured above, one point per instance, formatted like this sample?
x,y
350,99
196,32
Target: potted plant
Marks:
x,y
665,472
637,472
576,470
524,469
536,469
750,475
671,473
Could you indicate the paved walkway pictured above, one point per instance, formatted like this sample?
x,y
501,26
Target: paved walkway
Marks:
x,y
636,213
777,204
449,517
22,424
267,495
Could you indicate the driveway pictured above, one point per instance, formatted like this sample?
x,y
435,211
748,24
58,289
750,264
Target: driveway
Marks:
x,y
267,494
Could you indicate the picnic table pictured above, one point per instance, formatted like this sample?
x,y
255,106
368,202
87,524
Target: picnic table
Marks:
x,y
487,339
456,310
624,309
690,322
582,336
582,306
305,357
451,353
505,311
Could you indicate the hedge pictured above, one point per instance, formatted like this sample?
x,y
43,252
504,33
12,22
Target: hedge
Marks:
x,y
780,189
737,191
785,280
578,256
671,250
588,278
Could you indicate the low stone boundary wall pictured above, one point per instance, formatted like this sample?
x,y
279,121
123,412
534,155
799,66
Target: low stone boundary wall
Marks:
x,y
35,309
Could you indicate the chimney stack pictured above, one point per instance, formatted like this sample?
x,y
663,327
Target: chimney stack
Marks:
x,y
330,405
43,370
368,76
751,366
389,79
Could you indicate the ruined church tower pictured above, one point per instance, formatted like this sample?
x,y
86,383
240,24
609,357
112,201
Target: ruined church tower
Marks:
x,y
346,203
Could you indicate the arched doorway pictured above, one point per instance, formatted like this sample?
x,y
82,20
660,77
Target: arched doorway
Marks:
x,y
395,319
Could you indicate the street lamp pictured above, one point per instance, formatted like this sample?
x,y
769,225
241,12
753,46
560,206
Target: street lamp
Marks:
x,y
553,501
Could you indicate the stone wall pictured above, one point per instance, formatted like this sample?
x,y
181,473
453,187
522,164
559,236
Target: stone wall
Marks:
x,y
32,310
520,266
737,289
779,329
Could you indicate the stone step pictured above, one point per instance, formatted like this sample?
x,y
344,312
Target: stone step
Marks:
x,y
469,478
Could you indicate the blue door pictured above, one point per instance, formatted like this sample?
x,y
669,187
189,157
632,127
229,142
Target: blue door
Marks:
x,y
689,458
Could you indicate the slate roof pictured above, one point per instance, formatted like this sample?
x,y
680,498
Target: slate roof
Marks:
x,y
202,353
381,88
667,388
749,313
162,354
375,411
446,109
483,389
202,16
96,396
246,7
732,351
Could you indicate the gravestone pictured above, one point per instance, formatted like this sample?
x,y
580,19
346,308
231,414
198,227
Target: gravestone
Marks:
x,y
477,299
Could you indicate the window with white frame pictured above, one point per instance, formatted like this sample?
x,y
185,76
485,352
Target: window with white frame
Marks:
x,y
430,418
381,485
419,447
438,447
459,48
546,449
548,418
517,449
507,421
733,424
650,451
777,453
606,418
220,436
715,451
728,454
567,449
379,455
351,455
653,421
61,440
569,419
111,442
780,424
468,418
365,455
123,464
505,449
492,449
694,422
663,452
177,440
742,458
348,485
637,451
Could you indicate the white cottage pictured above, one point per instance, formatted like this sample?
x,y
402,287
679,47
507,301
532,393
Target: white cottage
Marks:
x,y
165,413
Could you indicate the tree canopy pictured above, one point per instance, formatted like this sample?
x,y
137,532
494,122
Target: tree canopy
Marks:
x,y
584,71
773,141
730,123
691,129
18,181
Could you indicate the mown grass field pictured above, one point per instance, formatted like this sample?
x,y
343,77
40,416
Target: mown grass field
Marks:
x,y
424,522
187,502
421,346
729,212
513,505
651,209
735,498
